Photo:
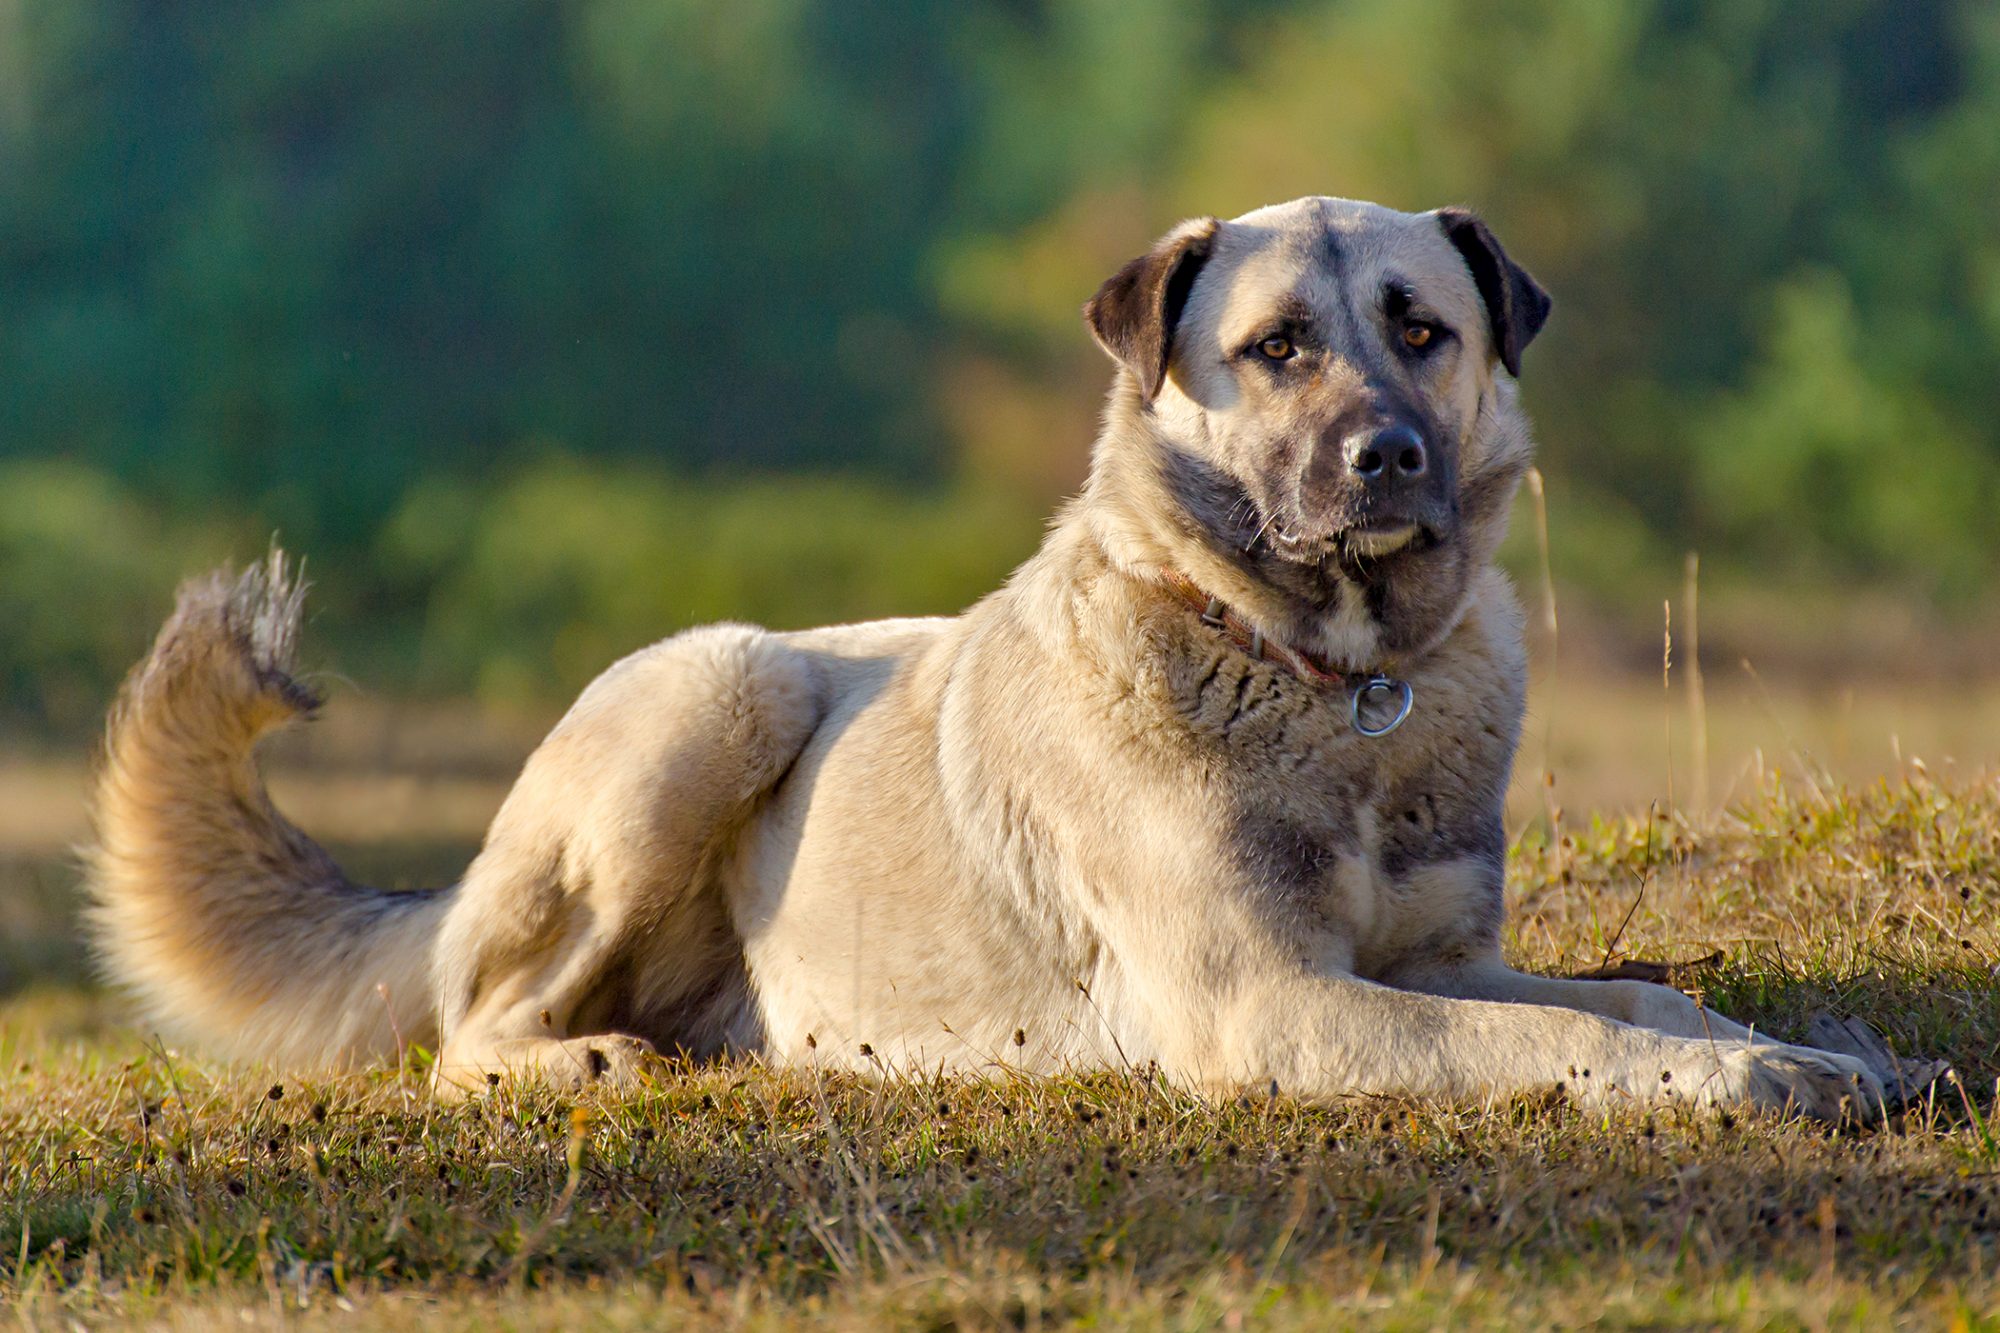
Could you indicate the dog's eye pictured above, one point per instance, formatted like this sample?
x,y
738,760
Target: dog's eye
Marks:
x,y
1419,336
1277,349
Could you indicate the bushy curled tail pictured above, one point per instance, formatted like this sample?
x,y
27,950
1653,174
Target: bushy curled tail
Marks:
x,y
230,925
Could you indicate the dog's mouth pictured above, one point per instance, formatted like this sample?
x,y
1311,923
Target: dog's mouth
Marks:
x,y
1370,541
1359,542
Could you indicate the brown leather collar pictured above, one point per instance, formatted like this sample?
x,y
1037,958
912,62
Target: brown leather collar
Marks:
x,y
1374,689
1215,614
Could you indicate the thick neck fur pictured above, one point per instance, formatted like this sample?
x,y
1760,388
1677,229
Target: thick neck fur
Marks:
x,y
1131,509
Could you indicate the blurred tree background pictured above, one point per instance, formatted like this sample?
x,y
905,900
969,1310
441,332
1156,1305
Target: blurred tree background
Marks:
x,y
545,327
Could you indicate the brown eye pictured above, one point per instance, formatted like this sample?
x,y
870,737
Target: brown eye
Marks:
x,y
1418,335
1277,349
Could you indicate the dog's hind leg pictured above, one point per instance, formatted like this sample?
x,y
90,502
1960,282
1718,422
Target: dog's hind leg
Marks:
x,y
591,926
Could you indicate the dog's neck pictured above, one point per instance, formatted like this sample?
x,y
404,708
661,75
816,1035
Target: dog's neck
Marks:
x,y
1217,615
1131,512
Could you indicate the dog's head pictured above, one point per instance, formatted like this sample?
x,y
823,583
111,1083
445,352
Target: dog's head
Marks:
x,y
1312,394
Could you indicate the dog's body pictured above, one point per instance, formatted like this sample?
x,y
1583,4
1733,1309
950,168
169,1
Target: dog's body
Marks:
x,y
1121,811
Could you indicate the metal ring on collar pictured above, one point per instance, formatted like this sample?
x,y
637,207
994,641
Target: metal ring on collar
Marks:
x,y
1406,699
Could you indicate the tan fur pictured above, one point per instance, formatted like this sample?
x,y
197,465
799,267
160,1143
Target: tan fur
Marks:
x,y
227,921
1074,826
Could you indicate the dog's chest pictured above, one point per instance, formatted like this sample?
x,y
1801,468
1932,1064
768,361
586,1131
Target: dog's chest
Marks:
x,y
1367,889
1366,851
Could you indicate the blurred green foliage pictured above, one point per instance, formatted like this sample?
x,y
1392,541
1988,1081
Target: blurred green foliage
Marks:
x,y
548,326
586,563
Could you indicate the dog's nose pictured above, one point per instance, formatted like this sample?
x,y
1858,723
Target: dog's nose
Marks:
x,y
1390,454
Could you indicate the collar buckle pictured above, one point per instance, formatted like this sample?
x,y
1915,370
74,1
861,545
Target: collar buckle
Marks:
x,y
1380,689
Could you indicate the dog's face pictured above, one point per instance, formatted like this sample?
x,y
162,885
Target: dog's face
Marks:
x,y
1322,382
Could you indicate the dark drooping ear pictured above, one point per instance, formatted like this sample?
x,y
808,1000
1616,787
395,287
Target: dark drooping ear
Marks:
x,y
1516,305
1134,313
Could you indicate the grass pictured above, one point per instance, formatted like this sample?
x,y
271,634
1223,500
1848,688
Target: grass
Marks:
x,y
139,1183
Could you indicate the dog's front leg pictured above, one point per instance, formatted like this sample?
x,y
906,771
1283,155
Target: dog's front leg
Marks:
x,y
1340,1034
1640,1003
1228,1004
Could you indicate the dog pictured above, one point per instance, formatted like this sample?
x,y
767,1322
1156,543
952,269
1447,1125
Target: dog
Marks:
x,y
1214,782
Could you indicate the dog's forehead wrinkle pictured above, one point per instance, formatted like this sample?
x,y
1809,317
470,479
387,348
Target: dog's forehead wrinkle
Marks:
x,y
1334,256
1400,295
1293,307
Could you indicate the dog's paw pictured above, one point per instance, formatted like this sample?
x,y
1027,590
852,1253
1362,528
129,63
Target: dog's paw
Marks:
x,y
1905,1078
610,1060
1797,1080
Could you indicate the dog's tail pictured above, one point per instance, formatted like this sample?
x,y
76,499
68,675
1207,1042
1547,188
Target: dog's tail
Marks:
x,y
229,924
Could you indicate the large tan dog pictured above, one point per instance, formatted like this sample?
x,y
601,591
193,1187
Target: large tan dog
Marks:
x,y
1214,781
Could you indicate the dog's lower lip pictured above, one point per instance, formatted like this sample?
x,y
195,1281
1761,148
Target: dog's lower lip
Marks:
x,y
1385,539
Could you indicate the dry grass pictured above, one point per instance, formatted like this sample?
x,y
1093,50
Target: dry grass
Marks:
x,y
140,1183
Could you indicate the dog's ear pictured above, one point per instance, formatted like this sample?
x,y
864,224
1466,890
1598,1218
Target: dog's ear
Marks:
x,y
1134,313
1516,305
